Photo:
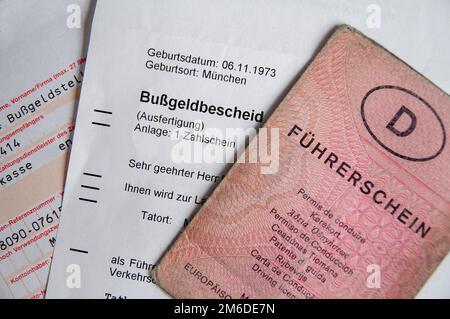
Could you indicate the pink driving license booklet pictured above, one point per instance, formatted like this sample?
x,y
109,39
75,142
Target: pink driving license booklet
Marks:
x,y
359,204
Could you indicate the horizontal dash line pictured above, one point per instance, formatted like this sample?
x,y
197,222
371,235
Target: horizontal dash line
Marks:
x,y
78,251
90,187
104,112
101,124
92,175
87,200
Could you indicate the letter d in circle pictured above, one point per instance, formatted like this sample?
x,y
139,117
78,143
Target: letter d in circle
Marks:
x,y
403,111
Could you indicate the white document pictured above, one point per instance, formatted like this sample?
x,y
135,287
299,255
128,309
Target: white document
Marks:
x,y
41,62
169,76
